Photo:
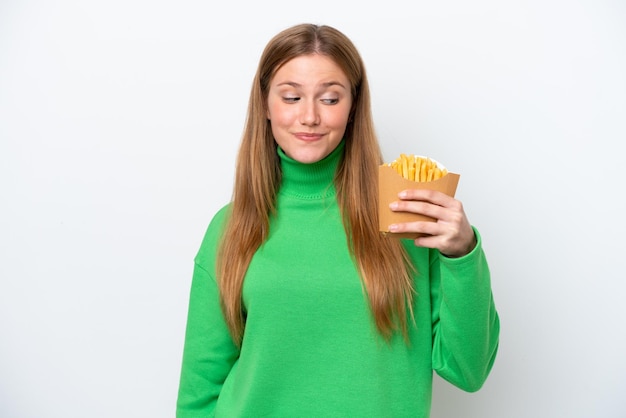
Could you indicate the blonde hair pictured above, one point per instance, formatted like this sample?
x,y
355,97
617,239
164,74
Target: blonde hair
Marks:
x,y
385,269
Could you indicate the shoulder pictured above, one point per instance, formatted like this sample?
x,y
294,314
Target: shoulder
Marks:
x,y
210,243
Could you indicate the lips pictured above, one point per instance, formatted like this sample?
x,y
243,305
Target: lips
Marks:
x,y
309,137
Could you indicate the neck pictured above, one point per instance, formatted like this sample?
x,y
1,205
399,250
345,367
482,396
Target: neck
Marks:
x,y
310,181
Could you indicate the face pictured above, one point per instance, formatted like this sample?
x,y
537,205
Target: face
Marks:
x,y
309,105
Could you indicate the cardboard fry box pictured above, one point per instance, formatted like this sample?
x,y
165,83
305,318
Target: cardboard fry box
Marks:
x,y
390,183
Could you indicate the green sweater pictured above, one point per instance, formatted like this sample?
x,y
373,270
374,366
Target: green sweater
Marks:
x,y
310,347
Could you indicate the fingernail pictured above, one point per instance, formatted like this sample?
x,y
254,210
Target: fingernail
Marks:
x,y
393,205
402,194
393,227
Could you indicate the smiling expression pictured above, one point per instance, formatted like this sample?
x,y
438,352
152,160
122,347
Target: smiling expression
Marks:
x,y
309,104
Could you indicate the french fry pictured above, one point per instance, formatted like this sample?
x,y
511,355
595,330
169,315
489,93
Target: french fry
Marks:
x,y
405,166
418,168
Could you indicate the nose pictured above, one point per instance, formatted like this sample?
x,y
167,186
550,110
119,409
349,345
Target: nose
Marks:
x,y
309,114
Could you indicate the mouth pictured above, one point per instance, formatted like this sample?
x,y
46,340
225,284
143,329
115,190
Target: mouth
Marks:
x,y
307,136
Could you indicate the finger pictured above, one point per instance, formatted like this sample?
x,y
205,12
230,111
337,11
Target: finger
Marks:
x,y
427,241
419,207
432,196
420,227
447,245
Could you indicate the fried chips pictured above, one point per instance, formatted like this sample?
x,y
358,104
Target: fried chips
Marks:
x,y
418,168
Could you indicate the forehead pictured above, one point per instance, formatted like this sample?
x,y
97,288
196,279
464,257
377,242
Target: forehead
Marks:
x,y
310,69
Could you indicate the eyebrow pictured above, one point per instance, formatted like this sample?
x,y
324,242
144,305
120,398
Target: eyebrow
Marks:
x,y
325,85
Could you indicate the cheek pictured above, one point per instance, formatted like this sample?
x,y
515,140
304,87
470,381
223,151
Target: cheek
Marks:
x,y
280,115
338,119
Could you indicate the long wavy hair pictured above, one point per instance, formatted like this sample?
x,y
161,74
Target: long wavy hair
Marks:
x,y
384,267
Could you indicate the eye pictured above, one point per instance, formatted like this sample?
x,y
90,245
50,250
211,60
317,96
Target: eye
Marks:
x,y
330,101
291,99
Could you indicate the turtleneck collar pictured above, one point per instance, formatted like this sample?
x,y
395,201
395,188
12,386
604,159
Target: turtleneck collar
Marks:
x,y
310,181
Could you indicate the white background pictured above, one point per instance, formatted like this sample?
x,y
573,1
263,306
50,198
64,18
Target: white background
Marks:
x,y
119,124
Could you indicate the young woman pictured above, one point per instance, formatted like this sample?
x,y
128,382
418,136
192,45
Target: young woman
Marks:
x,y
299,307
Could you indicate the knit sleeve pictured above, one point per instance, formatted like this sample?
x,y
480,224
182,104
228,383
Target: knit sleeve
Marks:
x,y
209,352
466,326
